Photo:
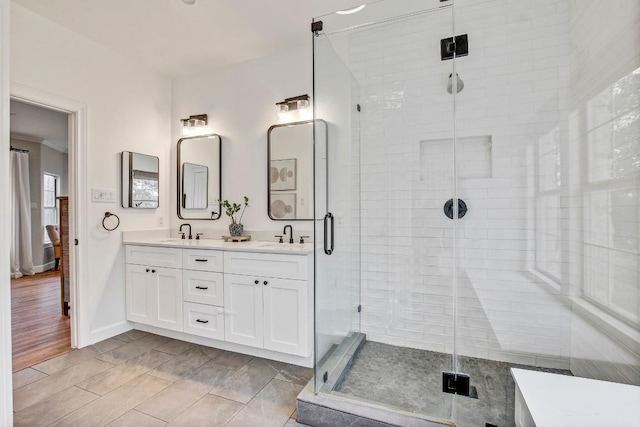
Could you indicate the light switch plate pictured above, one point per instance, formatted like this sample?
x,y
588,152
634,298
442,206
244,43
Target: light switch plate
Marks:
x,y
102,195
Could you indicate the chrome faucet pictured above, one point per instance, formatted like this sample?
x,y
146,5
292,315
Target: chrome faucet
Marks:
x,y
284,231
189,225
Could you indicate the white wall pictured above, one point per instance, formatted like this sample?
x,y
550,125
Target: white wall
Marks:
x,y
240,101
128,108
55,162
6,394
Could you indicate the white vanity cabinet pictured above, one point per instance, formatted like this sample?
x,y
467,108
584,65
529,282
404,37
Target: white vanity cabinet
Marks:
x,y
266,303
257,302
154,292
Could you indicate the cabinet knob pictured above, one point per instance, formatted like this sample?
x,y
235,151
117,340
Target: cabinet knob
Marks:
x,y
148,270
265,283
256,282
153,271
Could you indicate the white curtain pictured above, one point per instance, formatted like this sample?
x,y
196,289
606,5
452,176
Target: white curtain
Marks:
x,y
20,209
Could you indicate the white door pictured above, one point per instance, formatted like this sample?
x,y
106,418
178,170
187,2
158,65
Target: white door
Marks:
x,y
139,286
167,283
285,316
243,309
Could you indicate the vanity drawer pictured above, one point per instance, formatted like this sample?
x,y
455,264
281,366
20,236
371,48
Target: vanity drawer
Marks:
x,y
204,320
202,260
270,265
202,287
154,256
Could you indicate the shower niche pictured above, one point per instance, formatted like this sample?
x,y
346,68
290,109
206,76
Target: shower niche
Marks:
x,y
474,158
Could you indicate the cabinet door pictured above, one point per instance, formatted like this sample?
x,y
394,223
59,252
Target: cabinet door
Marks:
x,y
243,310
168,298
285,316
139,286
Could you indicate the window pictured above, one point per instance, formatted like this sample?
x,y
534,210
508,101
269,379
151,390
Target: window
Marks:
x,y
548,203
50,210
611,199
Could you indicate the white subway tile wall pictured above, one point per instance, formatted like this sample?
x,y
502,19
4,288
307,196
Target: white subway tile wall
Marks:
x,y
547,159
513,101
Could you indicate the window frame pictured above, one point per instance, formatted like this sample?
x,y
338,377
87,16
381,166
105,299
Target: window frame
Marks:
x,y
56,192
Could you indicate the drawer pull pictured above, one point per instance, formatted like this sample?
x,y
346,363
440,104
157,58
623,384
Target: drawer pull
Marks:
x,y
202,321
201,260
202,287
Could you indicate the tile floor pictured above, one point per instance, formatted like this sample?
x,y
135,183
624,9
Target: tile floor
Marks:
x,y
140,379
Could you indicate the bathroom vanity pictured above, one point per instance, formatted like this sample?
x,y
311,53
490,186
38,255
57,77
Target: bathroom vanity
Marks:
x,y
250,297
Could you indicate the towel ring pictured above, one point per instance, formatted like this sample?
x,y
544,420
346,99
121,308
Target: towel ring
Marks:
x,y
107,215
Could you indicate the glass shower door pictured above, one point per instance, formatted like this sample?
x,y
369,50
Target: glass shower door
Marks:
x,y
337,201
383,242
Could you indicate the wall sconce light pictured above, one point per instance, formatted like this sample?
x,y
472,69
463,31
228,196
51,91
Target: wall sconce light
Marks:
x,y
194,124
294,109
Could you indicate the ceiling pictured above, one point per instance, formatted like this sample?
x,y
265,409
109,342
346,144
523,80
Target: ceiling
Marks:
x,y
37,124
177,39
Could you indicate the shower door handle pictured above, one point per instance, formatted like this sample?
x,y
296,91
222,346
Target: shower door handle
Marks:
x,y
328,217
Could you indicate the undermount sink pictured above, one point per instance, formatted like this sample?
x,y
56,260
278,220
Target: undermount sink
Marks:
x,y
177,240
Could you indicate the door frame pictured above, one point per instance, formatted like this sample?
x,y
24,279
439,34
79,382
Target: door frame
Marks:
x,y
77,173
6,386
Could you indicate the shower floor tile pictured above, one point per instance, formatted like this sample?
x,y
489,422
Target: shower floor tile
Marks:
x,y
410,380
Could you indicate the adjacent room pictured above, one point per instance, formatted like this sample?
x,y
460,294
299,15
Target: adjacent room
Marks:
x,y
39,178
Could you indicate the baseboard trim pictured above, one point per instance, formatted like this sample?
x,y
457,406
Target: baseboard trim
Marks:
x,y
107,332
44,267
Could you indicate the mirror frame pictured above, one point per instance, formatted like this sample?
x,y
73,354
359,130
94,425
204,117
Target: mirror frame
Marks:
x,y
304,122
129,191
179,180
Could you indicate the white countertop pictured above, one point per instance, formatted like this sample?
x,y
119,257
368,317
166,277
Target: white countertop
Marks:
x,y
250,246
565,401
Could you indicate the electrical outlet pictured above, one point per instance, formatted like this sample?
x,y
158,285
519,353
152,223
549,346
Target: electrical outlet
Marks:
x,y
160,221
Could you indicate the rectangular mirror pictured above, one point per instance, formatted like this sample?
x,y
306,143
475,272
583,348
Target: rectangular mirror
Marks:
x,y
199,177
140,180
290,169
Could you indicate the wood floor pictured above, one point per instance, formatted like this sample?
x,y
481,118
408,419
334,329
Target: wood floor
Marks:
x,y
39,330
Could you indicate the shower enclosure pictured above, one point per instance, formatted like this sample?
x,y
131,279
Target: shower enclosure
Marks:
x,y
476,204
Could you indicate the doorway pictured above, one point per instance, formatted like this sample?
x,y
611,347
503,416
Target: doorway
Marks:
x,y
40,293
